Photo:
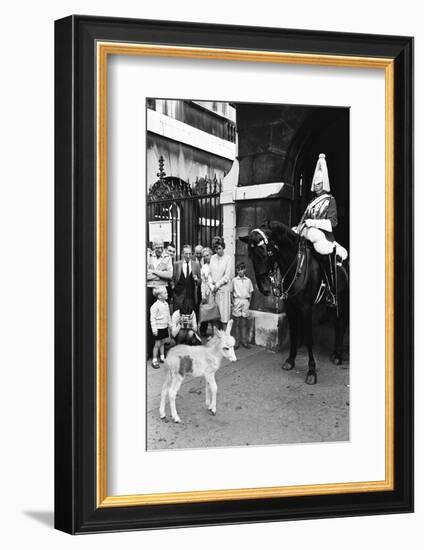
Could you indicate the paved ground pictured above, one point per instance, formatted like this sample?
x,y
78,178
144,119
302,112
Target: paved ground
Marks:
x,y
258,403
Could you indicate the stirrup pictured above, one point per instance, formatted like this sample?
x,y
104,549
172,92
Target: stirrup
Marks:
x,y
330,299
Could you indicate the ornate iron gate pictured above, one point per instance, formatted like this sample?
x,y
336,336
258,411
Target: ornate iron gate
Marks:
x,y
194,211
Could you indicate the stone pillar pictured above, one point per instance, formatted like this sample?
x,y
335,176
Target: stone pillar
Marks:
x,y
229,185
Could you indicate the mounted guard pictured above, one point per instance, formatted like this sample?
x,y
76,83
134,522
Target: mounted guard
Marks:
x,y
317,224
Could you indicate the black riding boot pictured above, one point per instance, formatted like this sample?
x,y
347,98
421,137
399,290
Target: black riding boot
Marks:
x,y
329,267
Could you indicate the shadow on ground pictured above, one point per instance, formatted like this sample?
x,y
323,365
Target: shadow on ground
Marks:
x,y
44,517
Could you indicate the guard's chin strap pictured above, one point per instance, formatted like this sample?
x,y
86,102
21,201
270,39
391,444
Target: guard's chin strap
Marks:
x,y
264,237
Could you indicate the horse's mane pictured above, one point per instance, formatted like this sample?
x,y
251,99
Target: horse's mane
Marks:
x,y
281,232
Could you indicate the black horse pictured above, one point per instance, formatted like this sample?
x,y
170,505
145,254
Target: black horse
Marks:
x,y
286,265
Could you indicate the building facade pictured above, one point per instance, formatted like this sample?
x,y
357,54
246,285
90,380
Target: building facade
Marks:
x,y
190,148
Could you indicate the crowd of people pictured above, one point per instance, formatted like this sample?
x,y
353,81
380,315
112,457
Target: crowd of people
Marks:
x,y
186,298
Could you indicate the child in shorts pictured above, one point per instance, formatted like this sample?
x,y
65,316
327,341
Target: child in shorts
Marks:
x,y
160,321
241,293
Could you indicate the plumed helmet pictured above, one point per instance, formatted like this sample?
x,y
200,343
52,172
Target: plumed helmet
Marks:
x,y
321,174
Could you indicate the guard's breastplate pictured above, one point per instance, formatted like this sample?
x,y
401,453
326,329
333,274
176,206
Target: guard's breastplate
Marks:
x,y
318,208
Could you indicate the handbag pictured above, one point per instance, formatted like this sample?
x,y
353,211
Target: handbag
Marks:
x,y
209,312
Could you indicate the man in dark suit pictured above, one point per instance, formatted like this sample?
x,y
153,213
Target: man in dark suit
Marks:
x,y
186,280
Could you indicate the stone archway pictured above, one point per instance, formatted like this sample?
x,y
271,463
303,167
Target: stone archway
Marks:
x,y
326,131
278,148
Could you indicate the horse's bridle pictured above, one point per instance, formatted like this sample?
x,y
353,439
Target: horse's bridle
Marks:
x,y
278,289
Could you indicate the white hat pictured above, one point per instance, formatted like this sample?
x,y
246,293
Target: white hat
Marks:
x,y
321,174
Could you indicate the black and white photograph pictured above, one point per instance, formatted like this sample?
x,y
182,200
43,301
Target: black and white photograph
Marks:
x,y
212,287
247,262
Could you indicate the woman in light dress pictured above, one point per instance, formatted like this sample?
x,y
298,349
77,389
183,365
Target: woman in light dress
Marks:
x,y
220,279
205,276
206,286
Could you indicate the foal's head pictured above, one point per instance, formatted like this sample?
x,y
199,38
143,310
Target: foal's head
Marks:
x,y
224,342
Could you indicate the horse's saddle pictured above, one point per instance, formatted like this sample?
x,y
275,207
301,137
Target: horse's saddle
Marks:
x,y
341,266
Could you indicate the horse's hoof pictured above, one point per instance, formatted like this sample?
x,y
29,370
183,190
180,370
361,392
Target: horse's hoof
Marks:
x,y
287,366
336,359
311,379
177,420
163,418
213,413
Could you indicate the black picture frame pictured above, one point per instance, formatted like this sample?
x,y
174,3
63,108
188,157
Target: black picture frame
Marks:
x,y
76,504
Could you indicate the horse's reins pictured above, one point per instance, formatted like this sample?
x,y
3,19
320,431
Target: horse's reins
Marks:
x,y
278,290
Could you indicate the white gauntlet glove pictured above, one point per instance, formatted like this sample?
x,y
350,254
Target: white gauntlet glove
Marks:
x,y
325,225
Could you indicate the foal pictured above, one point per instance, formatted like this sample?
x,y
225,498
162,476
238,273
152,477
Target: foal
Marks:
x,y
196,361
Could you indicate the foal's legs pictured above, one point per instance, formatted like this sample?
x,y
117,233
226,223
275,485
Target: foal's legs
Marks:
x,y
173,389
163,395
210,378
207,394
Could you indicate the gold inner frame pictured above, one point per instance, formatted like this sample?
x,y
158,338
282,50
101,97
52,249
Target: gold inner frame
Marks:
x,y
104,49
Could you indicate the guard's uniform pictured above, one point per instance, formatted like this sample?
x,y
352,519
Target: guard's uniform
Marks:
x,y
324,208
320,217
323,211
317,224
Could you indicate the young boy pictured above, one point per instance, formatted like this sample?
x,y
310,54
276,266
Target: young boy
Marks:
x,y
160,321
241,293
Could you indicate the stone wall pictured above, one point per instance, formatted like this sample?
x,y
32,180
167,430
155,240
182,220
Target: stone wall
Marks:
x,y
266,133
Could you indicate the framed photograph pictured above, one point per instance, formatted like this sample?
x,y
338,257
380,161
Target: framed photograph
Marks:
x,y
234,274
